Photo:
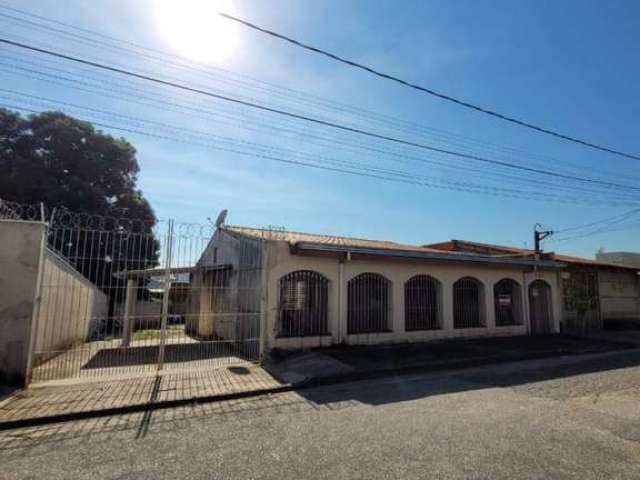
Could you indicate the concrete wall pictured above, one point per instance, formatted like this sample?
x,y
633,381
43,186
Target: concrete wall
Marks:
x,y
21,245
69,308
226,304
619,297
281,261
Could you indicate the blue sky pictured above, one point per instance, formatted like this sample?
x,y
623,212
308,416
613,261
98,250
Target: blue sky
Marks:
x,y
567,65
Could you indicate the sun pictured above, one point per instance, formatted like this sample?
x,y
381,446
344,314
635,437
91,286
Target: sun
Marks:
x,y
194,29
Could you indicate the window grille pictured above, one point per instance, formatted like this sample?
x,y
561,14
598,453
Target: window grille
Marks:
x,y
422,303
507,297
468,304
368,304
303,304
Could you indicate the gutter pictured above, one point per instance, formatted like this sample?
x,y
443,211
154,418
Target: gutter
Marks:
x,y
302,247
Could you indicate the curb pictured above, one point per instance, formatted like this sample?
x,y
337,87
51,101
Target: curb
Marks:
x,y
297,386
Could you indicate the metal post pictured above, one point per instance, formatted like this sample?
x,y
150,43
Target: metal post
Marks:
x,y
129,311
165,296
264,302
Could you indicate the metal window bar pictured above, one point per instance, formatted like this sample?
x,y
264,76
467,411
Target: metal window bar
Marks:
x,y
303,304
467,303
368,304
422,303
508,302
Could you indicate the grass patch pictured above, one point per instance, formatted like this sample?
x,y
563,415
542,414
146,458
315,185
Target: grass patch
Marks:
x,y
154,334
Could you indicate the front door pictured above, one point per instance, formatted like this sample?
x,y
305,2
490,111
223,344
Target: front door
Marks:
x,y
540,312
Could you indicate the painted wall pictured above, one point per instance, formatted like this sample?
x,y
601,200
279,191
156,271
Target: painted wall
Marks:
x,y
619,297
280,262
20,249
226,305
70,306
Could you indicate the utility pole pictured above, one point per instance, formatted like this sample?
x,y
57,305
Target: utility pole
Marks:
x,y
539,235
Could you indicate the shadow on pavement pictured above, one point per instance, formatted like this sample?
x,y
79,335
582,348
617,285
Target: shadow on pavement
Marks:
x,y
338,397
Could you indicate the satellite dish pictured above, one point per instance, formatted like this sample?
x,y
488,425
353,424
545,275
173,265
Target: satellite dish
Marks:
x,y
221,218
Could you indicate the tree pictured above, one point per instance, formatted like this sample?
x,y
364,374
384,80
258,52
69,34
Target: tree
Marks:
x,y
71,167
64,162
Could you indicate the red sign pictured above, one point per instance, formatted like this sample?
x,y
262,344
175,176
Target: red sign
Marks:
x,y
504,300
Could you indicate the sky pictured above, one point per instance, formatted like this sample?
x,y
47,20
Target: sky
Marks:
x,y
567,65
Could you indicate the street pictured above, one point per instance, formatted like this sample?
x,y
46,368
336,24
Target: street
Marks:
x,y
557,418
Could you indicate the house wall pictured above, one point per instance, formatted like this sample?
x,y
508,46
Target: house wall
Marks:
x,y
70,307
21,245
280,262
226,305
619,297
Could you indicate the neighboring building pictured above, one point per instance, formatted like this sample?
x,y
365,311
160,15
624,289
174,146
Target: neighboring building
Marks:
x,y
626,259
596,293
319,290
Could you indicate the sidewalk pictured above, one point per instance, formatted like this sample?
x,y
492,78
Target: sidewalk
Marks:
x,y
341,363
55,403
43,404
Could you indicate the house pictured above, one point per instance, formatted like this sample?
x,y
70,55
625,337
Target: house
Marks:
x,y
302,290
595,293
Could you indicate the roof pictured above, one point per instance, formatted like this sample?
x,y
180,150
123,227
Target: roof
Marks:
x,y
466,245
297,237
310,242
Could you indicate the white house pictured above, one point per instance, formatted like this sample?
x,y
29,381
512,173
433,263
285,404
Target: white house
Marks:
x,y
301,290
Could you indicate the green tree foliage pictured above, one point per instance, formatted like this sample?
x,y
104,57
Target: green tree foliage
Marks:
x,y
71,167
61,161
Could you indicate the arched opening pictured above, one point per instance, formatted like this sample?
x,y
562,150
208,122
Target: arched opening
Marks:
x,y
422,303
368,304
540,312
303,304
507,298
468,303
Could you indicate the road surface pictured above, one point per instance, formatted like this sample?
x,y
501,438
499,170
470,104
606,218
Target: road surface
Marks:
x,y
560,418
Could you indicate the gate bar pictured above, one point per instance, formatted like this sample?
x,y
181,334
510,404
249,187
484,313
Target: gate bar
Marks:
x,y
165,295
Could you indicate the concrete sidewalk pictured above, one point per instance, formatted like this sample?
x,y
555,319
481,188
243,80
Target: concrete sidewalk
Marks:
x,y
55,403
43,404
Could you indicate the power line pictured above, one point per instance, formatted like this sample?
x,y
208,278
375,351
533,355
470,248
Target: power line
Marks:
x,y
609,221
434,93
305,117
134,96
166,106
352,168
319,101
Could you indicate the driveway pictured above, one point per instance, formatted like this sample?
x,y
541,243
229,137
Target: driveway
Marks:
x,y
561,418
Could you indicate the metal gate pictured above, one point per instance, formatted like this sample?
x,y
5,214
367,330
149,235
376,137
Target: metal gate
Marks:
x,y
540,314
121,297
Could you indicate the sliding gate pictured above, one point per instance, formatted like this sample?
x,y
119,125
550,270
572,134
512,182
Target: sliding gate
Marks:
x,y
121,298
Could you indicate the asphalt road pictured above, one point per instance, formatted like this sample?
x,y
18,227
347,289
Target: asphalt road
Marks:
x,y
548,419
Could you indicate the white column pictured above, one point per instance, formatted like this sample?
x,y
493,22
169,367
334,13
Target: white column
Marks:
x,y
447,306
489,306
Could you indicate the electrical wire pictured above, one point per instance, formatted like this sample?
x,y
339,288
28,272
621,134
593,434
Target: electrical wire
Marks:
x,y
442,96
305,118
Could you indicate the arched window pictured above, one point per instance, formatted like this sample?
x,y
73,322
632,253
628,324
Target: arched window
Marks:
x,y
422,303
468,303
507,298
303,304
368,305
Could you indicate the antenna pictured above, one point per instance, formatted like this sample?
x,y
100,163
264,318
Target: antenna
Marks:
x,y
222,216
539,235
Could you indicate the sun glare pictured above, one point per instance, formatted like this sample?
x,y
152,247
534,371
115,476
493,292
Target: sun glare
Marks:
x,y
195,30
